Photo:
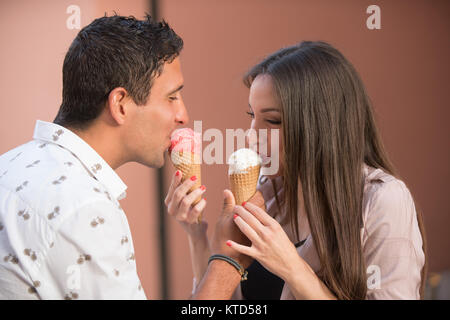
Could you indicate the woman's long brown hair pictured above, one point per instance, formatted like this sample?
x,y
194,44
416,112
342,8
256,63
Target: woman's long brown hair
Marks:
x,y
329,132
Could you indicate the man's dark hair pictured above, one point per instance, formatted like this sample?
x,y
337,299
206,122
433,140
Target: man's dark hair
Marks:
x,y
113,52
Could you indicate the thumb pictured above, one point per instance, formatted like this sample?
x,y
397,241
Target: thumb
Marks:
x,y
228,199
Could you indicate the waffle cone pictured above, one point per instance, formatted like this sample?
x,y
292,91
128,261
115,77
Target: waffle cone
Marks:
x,y
243,185
189,165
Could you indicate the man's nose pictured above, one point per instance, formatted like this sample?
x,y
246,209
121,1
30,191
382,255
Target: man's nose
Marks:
x,y
182,116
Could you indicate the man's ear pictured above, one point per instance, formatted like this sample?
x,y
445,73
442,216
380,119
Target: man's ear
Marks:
x,y
118,104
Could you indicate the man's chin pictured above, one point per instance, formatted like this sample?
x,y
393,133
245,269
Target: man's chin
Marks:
x,y
154,163
160,164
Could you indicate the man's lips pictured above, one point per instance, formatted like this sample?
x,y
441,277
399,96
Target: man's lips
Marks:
x,y
169,148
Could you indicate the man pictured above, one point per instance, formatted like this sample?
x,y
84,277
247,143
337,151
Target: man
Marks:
x,y
63,234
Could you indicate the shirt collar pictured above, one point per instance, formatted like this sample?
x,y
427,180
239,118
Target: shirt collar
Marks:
x,y
54,133
373,174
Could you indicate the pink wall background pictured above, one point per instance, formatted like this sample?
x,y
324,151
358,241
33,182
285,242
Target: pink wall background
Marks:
x,y
404,66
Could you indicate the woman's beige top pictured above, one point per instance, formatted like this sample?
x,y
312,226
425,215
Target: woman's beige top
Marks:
x,y
391,240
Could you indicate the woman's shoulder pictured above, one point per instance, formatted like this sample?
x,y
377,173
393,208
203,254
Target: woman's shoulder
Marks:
x,y
391,238
388,205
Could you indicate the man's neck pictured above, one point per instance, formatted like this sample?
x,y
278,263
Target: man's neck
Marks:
x,y
104,143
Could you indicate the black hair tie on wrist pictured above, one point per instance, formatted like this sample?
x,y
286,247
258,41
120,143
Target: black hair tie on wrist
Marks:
x,y
231,261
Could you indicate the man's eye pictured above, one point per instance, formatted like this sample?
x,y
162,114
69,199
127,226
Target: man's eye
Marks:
x,y
173,98
251,114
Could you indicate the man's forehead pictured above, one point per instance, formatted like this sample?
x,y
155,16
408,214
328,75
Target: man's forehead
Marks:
x,y
172,67
171,77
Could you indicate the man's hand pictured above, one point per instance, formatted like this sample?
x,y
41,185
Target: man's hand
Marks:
x,y
221,278
226,229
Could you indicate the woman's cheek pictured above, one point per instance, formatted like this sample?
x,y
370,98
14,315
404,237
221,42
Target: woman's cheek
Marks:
x,y
280,150
277,146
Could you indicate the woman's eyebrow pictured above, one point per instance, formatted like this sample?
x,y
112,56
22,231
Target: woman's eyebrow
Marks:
x,y
269,110
266,109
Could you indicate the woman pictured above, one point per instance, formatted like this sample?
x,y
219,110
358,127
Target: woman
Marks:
x,y
335,195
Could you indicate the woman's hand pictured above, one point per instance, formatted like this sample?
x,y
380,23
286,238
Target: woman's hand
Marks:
x,y
273,249
270,244
179,202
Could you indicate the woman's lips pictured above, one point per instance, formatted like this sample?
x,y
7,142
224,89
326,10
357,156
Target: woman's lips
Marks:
x,y
265,160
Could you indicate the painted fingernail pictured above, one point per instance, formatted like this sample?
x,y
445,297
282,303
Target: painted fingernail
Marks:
x,y
193,178
203,188
229,243
177,173
235,216
204,199
243,203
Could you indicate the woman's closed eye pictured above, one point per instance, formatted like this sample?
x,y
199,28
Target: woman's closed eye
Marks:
x,y
271,121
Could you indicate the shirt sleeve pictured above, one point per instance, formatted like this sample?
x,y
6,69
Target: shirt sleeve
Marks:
x,y
92,255
392,244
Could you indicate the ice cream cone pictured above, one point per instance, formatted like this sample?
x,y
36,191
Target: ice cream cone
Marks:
x,y
185,153
189,165
243,185
243,173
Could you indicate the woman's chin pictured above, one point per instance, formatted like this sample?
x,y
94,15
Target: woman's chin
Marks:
x,y
270,172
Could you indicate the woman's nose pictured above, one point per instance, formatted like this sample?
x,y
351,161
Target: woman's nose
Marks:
x,y
251,137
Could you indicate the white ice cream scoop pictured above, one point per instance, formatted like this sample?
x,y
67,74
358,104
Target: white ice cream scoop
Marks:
x,y
241,160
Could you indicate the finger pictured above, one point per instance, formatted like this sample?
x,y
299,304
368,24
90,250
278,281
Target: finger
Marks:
x,y
176,179
249,251
228,198
258,200
187,201
228,202
259,214
181,191
246,229
196,211
172,208
249,218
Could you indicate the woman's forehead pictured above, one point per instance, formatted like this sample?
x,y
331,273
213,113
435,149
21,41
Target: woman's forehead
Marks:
x,y
262,94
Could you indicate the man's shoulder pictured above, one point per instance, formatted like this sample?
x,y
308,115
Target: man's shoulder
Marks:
x,y
12,154
48,179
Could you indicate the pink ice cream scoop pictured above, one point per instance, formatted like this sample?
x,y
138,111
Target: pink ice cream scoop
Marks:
x,y
186,140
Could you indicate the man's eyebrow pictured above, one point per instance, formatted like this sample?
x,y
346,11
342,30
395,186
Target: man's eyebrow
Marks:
x,y
176,90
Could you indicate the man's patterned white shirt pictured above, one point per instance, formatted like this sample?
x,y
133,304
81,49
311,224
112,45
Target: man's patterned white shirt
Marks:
x,y
63,234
